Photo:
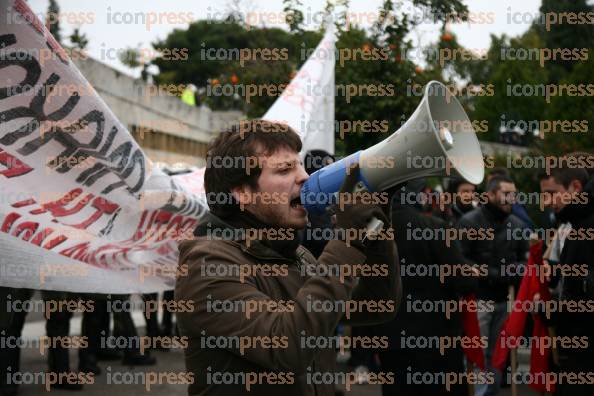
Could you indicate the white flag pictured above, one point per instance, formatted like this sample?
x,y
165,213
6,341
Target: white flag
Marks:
x,y
307,104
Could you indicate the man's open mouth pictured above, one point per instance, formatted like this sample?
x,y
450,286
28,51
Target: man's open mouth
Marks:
x,y
296,203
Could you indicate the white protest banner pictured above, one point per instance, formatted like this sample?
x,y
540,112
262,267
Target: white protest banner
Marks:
x,y
81,207
307,104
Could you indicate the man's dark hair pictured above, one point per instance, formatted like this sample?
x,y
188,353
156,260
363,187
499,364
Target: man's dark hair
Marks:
x,y
495,182
316,159
499,171
231,159
565,174
454,183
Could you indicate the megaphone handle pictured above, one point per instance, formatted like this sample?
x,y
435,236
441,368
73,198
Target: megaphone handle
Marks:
x,y
375,225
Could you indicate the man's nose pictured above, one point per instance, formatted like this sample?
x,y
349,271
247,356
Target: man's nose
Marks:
x,y
302,175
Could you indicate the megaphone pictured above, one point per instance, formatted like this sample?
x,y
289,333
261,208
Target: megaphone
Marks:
x,y
437,140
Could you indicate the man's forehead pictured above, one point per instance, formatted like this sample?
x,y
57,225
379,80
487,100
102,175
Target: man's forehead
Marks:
x,y
506,186
551,183
281,156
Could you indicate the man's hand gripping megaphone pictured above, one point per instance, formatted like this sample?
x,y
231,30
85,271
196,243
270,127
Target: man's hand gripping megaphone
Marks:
x,y
352,213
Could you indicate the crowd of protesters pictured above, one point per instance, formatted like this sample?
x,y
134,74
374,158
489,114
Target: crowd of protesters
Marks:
x,y
496,264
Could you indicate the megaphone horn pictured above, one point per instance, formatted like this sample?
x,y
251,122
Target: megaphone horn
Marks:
x,y
437,140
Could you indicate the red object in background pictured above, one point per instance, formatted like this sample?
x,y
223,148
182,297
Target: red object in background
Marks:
x,y
447,37
472,330
513,328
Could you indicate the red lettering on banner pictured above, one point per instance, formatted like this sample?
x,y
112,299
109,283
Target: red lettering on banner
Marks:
x,y
22,8
176,227
188,225
161,219
173,227
41,235
137,236
14,166
103,206
55,242
77,251
25,230
9,220
58,208
26,202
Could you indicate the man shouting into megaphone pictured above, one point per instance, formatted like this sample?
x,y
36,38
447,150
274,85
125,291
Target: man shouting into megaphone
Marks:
x,y
265,310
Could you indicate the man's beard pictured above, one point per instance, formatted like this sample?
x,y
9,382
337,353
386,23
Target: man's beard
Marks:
x,y
498,212
269,217
465,207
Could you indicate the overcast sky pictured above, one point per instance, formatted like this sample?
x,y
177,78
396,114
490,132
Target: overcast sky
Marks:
x,y
104,35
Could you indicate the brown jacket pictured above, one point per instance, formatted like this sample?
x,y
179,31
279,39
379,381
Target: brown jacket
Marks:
x,y
278,360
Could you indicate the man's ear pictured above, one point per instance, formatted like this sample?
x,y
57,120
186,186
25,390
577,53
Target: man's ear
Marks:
x,y
242,194
576,186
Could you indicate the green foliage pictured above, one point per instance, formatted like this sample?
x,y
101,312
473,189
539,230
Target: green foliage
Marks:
x,y
294,14
517,61
53,20
573,108
212,61
564,34
79,40
130,57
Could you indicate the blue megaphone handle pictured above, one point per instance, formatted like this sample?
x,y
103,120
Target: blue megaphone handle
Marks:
x,y
319,191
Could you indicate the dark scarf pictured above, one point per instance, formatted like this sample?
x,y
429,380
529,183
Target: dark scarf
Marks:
x,y
245,220
460,209
496,212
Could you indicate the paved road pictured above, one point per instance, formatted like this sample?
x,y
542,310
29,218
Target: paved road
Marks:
x,y
171,361
166,361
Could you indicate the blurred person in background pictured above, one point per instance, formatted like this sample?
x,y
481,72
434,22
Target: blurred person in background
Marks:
x,y
493,245
570,194
517,208
57,327
462,197
410,325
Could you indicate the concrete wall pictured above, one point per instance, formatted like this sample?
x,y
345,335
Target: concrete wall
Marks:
x,y
491,148
172,131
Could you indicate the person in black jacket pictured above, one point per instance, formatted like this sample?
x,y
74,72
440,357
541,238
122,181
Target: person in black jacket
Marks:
x,y
571,195
487,240
413,349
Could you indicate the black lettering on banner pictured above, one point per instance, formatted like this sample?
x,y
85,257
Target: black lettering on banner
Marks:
x,y
26,61
187,206
121,161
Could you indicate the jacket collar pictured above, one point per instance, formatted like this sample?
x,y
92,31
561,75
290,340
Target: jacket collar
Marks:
x,y
213,227
494,214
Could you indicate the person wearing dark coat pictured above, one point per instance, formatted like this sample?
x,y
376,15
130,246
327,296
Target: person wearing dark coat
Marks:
x,y
487,239
574,288
414,328
222,242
